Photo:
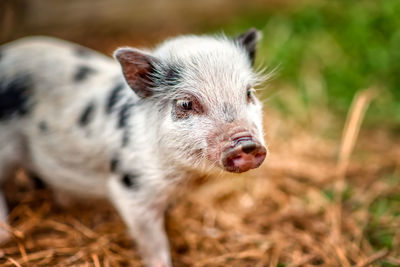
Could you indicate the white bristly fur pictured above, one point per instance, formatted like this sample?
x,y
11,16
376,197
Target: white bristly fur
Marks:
x,y
160,150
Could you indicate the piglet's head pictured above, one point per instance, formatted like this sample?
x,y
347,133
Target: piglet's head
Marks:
x,y
201,93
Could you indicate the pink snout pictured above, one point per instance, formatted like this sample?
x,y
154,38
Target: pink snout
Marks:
x,y
246,154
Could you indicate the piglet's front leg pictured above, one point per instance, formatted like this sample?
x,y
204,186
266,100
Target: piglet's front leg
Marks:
x,y
142,209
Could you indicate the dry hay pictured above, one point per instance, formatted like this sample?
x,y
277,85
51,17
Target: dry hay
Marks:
x,y
283,214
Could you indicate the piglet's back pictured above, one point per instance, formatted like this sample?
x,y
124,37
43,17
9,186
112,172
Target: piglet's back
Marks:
x,y
53,63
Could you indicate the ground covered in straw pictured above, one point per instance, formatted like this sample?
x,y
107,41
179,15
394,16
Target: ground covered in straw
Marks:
x,y
293,211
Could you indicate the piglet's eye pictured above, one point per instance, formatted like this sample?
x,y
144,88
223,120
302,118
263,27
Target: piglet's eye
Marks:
x,y
250,92
185,105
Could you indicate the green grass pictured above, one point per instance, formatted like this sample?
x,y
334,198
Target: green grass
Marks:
x,y
384,217
379,235
326,51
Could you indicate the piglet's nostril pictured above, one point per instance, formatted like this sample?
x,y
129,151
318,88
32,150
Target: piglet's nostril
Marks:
x,y
248,147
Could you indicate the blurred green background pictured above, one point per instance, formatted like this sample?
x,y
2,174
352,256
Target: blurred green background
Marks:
x,y
327,51
323,51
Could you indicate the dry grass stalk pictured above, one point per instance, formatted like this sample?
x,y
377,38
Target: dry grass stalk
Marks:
x,y
349,138
373,258
352,128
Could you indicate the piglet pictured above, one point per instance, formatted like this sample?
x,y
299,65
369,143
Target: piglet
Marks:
x,y
133,129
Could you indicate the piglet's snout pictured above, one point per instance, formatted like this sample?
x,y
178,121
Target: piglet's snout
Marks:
x,y
243,154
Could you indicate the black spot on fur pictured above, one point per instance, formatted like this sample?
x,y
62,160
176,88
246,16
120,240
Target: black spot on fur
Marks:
x,y
124,114
82,52
43,127
172,75
114,164
125,138
229,112
248,41
15,96
114,97
87,114
83,72
129,180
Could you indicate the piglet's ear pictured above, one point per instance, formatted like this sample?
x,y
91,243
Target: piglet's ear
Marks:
x,y
248,41
137,67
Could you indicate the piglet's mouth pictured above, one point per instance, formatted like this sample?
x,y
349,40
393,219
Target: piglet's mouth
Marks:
x,y
243,154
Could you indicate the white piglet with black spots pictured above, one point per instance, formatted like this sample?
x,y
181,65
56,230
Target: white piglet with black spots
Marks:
x,y
131,130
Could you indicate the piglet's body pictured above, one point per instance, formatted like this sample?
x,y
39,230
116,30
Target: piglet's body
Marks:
x,y
131,129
